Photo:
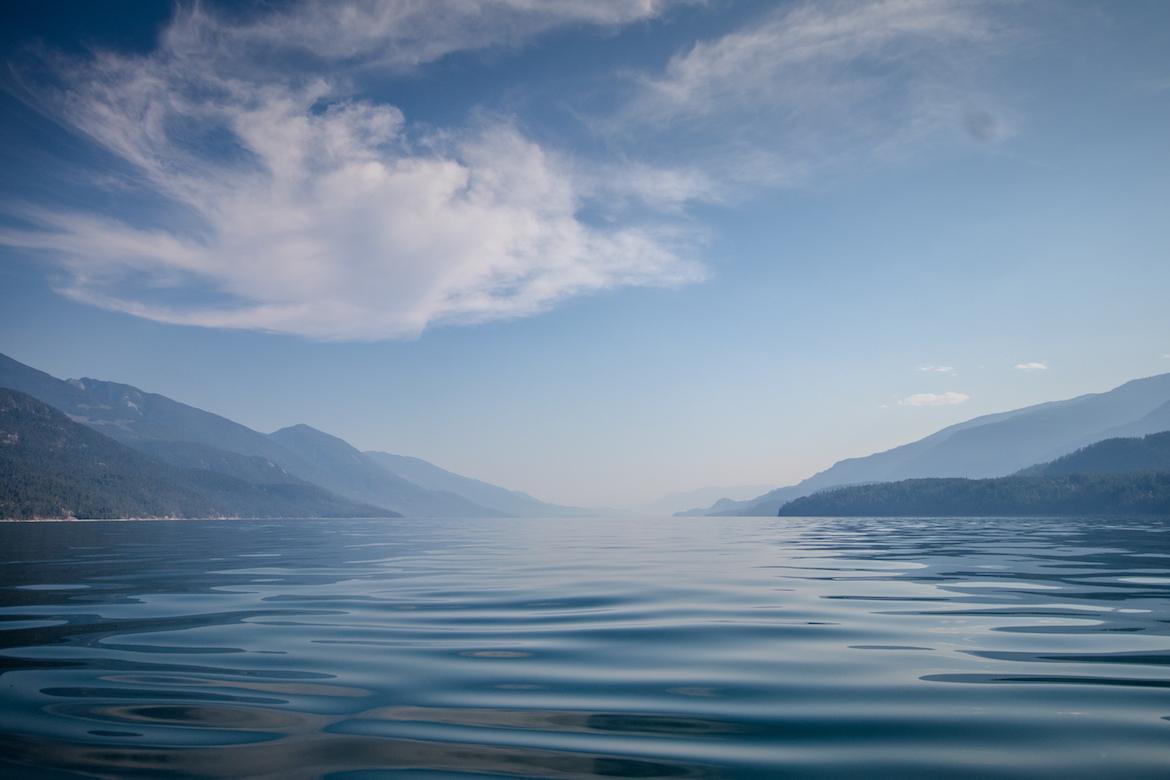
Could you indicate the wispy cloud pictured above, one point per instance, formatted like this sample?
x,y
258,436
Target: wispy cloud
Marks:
x,y
1035,365
398,34
300,210
937,369
949,398
821,83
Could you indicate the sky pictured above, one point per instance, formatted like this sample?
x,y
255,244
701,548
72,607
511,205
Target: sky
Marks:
x,y
597,250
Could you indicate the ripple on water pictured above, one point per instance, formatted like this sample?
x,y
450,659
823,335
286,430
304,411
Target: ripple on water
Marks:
x,y
587,647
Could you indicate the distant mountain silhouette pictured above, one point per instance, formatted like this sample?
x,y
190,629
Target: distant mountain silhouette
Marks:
x,y
132,416
1016,496
1154,422
694,502
346,470
508,502
1112,456
186,436
992,445
1110,477
752,507
51,466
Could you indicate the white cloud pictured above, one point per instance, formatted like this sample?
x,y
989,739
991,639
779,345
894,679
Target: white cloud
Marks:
x,y
949,398
937,369
302,211
389,33
822,83
1035,365
749,64
617,186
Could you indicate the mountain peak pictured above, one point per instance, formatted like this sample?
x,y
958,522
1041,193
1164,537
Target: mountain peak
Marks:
x,y
299,429
307,435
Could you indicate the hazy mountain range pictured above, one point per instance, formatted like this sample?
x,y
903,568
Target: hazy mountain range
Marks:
x,y
1111,456
191,461
502,500
1142,493
1129,476
174,435
679,502
993,445
51,466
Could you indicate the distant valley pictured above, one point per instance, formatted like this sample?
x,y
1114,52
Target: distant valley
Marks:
x,y
93,448
682,502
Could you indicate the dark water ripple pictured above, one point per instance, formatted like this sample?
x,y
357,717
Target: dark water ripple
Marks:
x,y
581,648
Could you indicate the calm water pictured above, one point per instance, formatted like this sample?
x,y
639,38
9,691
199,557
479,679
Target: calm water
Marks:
x,y
576,648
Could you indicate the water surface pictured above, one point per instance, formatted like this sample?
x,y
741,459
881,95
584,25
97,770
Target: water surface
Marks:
x,y
709,647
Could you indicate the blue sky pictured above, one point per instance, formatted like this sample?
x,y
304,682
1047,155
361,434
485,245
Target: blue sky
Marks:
x,y
598,251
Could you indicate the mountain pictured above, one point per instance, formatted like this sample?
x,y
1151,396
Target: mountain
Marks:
x,y
189,454
690,502
992,445
752,507
502,500
51,466
1112,456
132,416
344,469
1154,422
1077,494
186,436
155,424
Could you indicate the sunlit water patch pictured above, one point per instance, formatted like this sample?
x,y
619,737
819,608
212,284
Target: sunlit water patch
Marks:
x,y
712,647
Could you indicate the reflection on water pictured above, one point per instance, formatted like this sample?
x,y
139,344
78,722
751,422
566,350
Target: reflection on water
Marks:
x,y
573,648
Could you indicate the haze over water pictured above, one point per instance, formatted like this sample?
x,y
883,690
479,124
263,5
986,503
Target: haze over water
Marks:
x,y
725,647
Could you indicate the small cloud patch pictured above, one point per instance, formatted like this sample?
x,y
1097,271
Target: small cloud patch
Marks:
x,y
1036,365
950,398
937,369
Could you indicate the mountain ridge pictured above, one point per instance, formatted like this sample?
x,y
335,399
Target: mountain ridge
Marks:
x,y
510,502
52,466
343,468
1013,496
1120,455
996,444
147,421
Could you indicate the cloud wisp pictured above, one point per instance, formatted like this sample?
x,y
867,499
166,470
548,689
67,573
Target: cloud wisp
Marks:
x,y
937,369
949,398
298,209
1034,365
400,34
822,84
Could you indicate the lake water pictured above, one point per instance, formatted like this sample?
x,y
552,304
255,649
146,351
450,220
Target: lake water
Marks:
x,y
724,647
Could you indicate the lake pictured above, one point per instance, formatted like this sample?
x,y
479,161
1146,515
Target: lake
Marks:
x,y
633,647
